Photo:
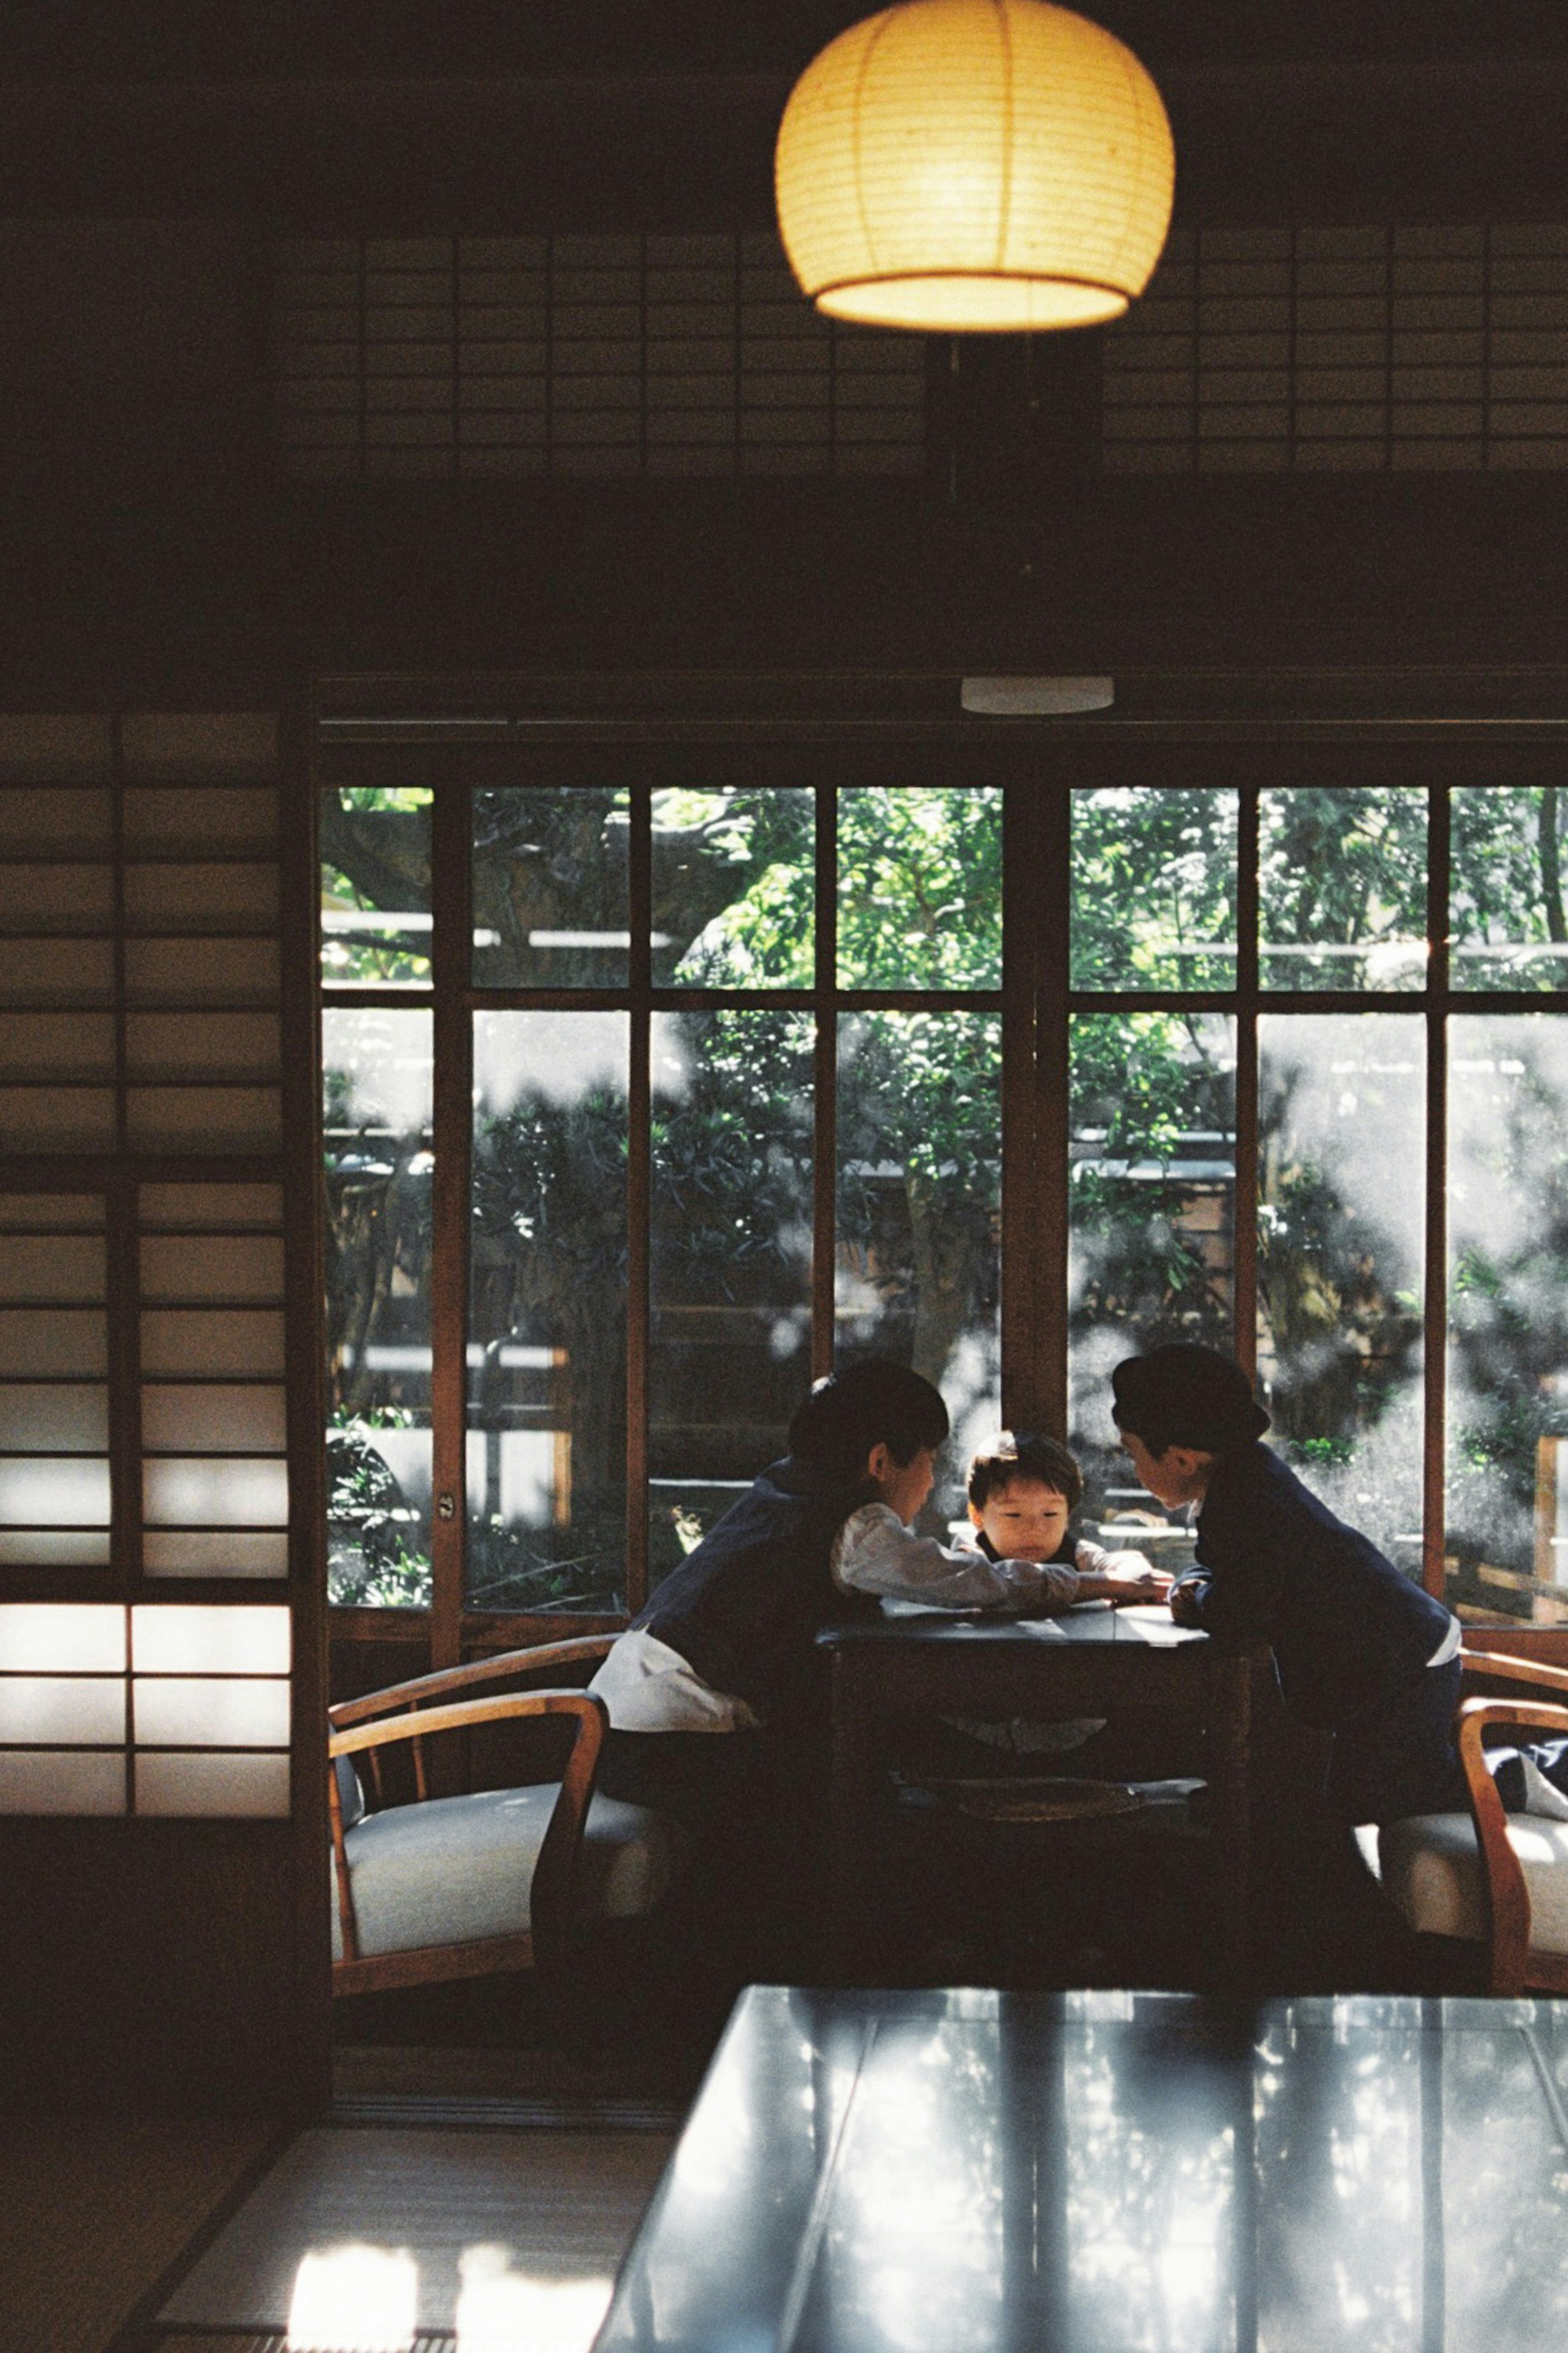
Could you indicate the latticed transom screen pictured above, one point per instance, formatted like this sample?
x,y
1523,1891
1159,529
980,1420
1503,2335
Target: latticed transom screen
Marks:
x,y
514,356
145,1627
1345,349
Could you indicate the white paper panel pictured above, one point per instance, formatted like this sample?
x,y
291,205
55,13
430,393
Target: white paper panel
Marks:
x,y
35,1340
57,1045
201,972
57,898
200,897
72,1491
63,1708
205,1119
51,1212
57,1118
251,1421
54,1548
65,819
210,1491
217,1552
231,1209
52,1266
48,1420
179,1046
196,1639
241,1340
197,1711
212,1266
229,818
203,746
55,1781
62,1636
57,972
230,1786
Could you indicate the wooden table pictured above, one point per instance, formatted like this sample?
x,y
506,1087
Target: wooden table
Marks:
x,y
1092,1661
982,2172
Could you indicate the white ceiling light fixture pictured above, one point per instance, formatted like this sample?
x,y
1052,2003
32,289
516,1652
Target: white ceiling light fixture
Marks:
x,y
1035,698
959,166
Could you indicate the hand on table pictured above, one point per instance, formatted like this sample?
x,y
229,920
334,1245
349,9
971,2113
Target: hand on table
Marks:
x,y
1133,1578
1183,1599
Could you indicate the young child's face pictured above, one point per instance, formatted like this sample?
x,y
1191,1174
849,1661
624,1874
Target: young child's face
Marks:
x,y
1025,1520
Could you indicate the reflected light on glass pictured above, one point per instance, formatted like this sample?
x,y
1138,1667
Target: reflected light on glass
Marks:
x,y
354,2299
503,2311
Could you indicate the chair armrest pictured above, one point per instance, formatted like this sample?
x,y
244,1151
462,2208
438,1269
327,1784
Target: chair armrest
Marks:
x,y
555,1875
1508,1897
1502,1668
421,1689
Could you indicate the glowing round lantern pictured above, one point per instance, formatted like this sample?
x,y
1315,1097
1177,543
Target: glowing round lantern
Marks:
x,y
952,166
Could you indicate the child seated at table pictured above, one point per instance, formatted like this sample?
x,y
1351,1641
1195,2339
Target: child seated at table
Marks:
x,y
1022,1493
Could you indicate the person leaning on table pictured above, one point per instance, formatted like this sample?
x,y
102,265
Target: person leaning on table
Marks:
x,y
1359,1650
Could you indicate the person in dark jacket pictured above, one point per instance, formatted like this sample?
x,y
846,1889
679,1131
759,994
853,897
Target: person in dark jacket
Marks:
x,y
1360,1649
718,1669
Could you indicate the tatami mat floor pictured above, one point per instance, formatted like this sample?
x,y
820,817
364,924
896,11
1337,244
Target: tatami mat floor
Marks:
x,y
522,2229
95,2211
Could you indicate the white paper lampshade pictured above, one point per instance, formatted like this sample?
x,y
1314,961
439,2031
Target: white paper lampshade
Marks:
x,y
955,165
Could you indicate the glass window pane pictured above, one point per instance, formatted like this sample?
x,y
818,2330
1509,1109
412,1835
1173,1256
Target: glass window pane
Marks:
x,y
1506,918
919,889
734,884
546,1348
375,886
1342,888
1154,885
731,1260
378,1069
550,870
1341,1101
1151,1211
1507,1541
919,1205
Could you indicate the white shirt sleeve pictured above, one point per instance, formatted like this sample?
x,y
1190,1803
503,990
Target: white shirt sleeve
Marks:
x,y
649,1687
874,1552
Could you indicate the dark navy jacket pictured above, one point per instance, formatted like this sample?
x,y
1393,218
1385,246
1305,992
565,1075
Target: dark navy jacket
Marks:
x,y
1279,1568
744,1608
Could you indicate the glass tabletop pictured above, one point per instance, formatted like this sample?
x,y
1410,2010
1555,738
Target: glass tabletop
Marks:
x,y
954,2172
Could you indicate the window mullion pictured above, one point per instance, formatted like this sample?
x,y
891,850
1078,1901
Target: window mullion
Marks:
x,y
1243,1244
1036,945
451,947
825,1081
639,1197
1435,1294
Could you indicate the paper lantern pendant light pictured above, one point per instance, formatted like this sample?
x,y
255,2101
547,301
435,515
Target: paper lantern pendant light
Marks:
x,y
951,165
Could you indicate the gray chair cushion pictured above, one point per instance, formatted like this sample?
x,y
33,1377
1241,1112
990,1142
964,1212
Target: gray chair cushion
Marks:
x,y
451,1871
1432,1868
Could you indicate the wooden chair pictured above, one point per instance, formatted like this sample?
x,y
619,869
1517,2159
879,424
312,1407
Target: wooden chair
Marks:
x,y
1487,1875
503,1879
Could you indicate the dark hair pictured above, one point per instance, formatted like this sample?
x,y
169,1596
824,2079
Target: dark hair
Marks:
x,y
1183,1395
866,1404
1024,1454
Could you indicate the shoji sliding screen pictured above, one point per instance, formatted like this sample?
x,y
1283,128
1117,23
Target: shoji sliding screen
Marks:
x,y
153,1556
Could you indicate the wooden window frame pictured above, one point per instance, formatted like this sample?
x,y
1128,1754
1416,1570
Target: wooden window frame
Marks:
x,y
1038,767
